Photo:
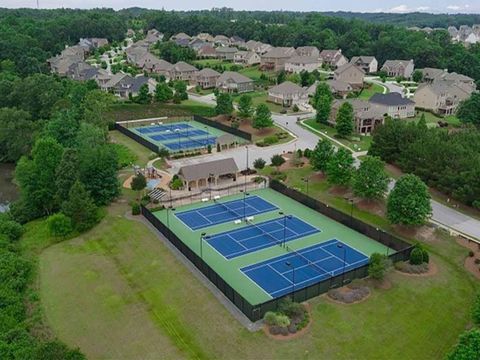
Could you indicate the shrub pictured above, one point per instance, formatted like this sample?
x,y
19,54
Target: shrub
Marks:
x,y
282,320
416,256
259,163
476,310
59,225
135,208
269,140
11,229
295,108
307,153
299,153
378,266
471,253
270,318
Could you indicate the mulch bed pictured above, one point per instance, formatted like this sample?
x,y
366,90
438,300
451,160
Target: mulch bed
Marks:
x,y
291,336
408,269
350,294
469,263
339,190
372,206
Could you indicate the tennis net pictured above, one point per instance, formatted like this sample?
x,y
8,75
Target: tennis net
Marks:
x,y
266,234
309,262
229,209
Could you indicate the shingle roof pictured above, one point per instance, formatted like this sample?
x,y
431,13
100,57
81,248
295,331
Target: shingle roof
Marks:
x,y
183,66
362,59
280,52
337,85
303,60
286,88
226,49
233,76
203,170
346,67
207,72
391,99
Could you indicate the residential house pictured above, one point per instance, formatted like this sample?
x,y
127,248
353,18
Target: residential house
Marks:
x,y
258,47
246,58
395,68
93,43
135,53
442,96
288,94
153,36
339,88
221,40
124,85
394,105
60,64
308,51
276,58
368,64
233,82
333,58
429,75
207,51
226,52
180,36
196,43
366,117
237,41
183,71
207,78
350,74
205,37
297,64
150,63
182,42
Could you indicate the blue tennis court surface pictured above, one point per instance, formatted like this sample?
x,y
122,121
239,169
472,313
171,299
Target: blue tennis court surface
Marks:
x,y
174,135
163,127
190,143
260,236
222,212
280,275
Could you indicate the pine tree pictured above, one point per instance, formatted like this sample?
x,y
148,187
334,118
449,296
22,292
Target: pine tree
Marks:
x,y
321,155
80,207
66,174
322,102
163,92
344,120
245,108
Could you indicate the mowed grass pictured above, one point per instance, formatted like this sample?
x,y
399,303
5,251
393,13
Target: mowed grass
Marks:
x,y
371,89
119,292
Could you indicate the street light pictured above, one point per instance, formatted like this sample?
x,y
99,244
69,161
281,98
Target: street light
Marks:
x,y
305,180
245,194
246,170
290,265
202,237
340,246
281,213
168,217
210,184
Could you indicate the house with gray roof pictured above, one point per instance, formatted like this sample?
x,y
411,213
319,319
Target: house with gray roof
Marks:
x,y
395,68
246,58
205,37
226,52
368,64
308,51
123,85
366,117
288,94
153,36
182,71
276,58
207,78
339,88
196,43
237,41
207,51
202,174
333,58
297,64
233,82
180,36
351,74
394,105
258,47
93,43
221,40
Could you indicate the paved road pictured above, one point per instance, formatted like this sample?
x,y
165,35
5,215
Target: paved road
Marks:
x,y
441,214
391,86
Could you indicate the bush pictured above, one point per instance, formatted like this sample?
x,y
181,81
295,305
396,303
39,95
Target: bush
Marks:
x,y
295,108
11,229
269,140
378,266
136,208
307,153
259,163
476,310
59,225
419,255
176,184
471,253
270,318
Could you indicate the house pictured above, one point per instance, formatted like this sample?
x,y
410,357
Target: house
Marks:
x,y
233,82
395,68
205,37
200,175
246,58
308,51
288,94
226,53
333,58
153,36
258,47
366,118
135,53
237,41
297,64
368,64
81,71
207,51
350,74
394,105
182,42
60,64
221,40
180,36
93,43
196,43
442,96
429,75
207,78
182,71
339,88
124,85
150,63
276,58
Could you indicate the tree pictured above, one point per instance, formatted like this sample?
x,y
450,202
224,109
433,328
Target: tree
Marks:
x,y
180,90
80,207
67,173
224,104
409,202
263,117
63,128
417,76
306,79
468,346
259,163
163,92
59,225
322,102
245,106
94,106
90,136
138,183
340,168
344,120
378,266
370,181
469,110
321,155
277,161
16,135
144,96
281,77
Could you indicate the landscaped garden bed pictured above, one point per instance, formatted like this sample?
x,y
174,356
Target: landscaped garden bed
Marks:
x,y
352,293
290,320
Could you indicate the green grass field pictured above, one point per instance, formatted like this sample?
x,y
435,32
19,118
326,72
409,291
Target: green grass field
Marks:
x,y
372,89
229,269
432,120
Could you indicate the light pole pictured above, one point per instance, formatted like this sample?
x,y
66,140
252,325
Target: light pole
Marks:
x,y
168,217
245,194
210,184
340,246
305,180
202,235
290,265
285,226
246,170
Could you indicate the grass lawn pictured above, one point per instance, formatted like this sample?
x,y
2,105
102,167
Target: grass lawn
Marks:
x,y
355,143
119,292
371,90
129,111
260,97
432,120
253,72
141,152
213,62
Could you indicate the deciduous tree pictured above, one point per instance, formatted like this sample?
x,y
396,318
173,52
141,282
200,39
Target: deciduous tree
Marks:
x,y
263,117
370,181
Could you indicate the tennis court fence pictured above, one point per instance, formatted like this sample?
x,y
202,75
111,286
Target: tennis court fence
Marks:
x,y
228,129
136,137
256,312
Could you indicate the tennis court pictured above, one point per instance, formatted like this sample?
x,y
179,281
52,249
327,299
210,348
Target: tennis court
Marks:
x,y
163,127
175,135
259,236
296,270
191,143
222,212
